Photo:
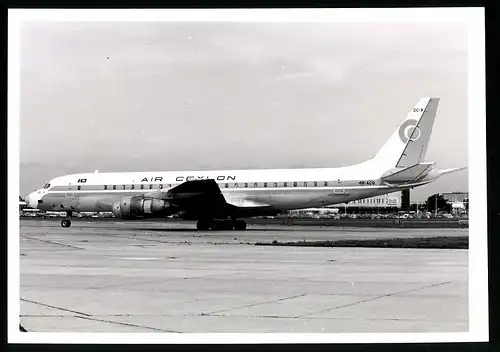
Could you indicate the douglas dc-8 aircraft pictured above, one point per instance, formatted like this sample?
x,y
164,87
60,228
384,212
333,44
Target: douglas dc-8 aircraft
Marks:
x,y
219,199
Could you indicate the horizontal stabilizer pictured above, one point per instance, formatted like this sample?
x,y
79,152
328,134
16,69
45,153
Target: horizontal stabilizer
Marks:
x,y
447,171
407,174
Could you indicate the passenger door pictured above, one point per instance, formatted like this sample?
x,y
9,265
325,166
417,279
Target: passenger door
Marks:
x,y
70,200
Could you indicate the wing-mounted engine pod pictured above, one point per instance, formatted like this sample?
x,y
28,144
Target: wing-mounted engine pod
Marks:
x,y
116,210
140,206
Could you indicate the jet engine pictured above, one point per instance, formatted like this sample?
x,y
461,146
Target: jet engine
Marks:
x,y
131,207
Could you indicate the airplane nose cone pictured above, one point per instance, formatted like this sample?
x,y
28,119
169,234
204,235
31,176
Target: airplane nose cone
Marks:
x,y
31,201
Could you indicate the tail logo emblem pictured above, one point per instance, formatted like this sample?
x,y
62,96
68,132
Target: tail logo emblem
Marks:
x,y
409,131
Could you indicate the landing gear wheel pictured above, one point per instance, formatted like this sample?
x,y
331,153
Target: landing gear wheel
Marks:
x,y
227,225
203,225
218,225
65,223
215,226
240,225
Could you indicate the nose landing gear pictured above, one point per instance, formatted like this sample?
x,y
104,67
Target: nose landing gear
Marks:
x,y
66,222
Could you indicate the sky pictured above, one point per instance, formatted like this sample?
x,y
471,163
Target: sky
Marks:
x,y
161,96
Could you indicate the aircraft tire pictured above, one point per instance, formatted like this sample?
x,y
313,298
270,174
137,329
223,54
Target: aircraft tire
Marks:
x,y
65,223
203,225
220,225
240,225
215,226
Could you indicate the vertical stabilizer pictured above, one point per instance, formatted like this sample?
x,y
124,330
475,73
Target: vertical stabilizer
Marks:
x,y
408,144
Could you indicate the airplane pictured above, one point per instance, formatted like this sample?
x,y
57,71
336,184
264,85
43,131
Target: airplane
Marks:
x,y
219,200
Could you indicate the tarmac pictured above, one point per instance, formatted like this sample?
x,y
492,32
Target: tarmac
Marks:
x,y
105,276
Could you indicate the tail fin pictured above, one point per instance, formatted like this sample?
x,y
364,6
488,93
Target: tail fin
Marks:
x,y
408,144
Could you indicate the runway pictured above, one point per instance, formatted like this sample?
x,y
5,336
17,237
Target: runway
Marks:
x,y
104,276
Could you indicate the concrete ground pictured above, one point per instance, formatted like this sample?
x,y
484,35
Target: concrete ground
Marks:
x,y
108,276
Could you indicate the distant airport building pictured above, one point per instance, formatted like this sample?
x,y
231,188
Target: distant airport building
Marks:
x,y
459,201
384,203
456,196
387,203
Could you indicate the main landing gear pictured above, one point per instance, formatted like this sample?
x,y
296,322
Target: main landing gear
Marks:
x,y
66,222
216,225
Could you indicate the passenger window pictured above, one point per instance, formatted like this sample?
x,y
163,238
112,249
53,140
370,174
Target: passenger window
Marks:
x,y
255,185
305,184
161,186
150,186
105,187
295,184
284,184
123,186
226,185
326,183
236,185
246,185
79,187
265,184
132,187
114,186
142,186
315,183
275,184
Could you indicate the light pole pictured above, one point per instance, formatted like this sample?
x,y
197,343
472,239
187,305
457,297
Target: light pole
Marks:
x,y
435,204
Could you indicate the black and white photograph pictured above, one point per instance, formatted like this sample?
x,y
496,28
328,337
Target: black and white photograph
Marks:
x,y
182,173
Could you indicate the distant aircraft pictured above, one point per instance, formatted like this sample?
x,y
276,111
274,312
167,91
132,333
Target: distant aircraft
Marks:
x,y
220,199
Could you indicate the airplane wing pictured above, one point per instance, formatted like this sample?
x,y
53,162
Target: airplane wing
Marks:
x,y
242,202
204,197
198,197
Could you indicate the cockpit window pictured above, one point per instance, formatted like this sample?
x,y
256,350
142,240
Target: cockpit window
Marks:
x,y
47,185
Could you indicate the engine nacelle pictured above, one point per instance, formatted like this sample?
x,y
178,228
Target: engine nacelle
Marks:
x,y
130,207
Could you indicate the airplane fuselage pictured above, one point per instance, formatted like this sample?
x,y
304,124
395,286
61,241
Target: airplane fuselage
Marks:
x,y
209,196
275,189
